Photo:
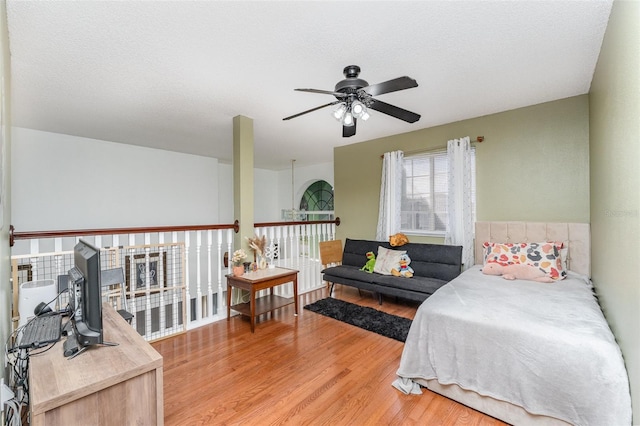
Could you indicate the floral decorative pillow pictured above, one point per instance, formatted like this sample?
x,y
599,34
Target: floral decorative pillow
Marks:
x,y
387,260
544,256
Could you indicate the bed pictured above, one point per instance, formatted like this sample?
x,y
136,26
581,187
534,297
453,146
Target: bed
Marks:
x,y
521,351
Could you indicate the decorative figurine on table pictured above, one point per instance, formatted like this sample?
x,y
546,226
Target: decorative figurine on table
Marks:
x,y
258,245
271,253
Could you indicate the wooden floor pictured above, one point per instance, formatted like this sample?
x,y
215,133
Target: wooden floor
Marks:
x,y
308,369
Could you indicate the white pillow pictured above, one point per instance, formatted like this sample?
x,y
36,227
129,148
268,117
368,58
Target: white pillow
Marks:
x,y
387,260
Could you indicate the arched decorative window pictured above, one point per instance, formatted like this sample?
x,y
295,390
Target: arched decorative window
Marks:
x,y
318,198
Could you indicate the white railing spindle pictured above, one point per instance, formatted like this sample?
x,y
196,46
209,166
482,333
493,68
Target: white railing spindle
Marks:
x,y
198,277
187,280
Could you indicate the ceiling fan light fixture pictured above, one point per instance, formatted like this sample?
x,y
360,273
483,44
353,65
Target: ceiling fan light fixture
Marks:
x,y
339,112
348,120
357,109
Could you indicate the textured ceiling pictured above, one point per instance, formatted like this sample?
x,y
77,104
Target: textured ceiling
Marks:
x,y
172,75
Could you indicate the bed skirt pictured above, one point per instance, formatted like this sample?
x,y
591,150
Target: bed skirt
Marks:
x,y
503,410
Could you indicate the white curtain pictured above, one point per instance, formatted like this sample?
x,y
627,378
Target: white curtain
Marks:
x,y
460,223
390,195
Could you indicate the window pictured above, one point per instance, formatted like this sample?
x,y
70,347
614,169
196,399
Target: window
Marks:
x,y
425,193
318,197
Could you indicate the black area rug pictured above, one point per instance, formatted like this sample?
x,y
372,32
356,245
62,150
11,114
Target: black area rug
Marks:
x,y
369,319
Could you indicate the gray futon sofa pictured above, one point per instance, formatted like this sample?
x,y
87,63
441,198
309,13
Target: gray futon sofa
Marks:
x,y
433,264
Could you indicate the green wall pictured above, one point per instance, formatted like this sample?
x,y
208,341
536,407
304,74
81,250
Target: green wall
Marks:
x,y
533,166
615,184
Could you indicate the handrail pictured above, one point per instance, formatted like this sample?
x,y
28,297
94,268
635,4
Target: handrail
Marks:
x,y
303,222
27,235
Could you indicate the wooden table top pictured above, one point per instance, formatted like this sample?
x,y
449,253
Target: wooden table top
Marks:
x,y
264,274
55,380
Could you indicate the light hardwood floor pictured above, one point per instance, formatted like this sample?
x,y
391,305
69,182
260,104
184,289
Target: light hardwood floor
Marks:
x,y
308,369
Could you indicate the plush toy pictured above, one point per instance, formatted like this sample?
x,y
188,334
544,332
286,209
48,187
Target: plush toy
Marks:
x,y
516,272
397,240
371,262
403,270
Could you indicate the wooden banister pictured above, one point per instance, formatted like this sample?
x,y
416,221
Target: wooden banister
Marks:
x,y
28,235
303,222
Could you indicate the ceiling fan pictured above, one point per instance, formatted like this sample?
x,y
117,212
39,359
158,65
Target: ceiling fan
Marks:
x,y
354,96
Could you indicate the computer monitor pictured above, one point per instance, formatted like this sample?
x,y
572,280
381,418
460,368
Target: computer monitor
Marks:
x,y
86,295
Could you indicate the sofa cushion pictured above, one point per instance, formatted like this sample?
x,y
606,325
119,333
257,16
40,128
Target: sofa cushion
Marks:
x,y
354,252
350,273
416,284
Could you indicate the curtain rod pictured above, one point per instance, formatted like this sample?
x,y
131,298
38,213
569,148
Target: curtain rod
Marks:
x,y
479,139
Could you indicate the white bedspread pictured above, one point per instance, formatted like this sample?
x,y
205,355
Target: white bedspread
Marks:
x,y
544,347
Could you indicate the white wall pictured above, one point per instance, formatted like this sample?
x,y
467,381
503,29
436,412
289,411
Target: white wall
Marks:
x,y
68,182
303,176
265,193
272,190
225,193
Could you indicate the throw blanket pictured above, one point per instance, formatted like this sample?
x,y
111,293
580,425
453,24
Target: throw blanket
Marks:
x,y
544,347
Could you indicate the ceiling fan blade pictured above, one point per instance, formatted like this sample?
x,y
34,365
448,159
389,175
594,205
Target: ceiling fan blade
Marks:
x,y
394,111
348,131
394,85
311,110
324,92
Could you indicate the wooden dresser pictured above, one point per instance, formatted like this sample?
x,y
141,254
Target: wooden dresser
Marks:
x,y
105,385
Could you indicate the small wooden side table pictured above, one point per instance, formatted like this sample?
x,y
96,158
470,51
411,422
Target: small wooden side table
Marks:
x,y
260,280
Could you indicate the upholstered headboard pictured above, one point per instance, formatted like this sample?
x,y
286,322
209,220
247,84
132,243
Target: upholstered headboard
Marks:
x,y
576,236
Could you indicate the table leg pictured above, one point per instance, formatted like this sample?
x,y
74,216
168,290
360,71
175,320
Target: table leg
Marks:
x,y
228,300
295,292
252,302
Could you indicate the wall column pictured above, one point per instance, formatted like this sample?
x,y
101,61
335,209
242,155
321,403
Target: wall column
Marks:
x,y
243,180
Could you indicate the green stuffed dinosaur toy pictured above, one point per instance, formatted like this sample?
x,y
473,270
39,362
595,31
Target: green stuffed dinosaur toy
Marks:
x,y
371,262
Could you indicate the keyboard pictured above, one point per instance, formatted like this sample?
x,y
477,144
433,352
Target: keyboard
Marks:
x,y
41,331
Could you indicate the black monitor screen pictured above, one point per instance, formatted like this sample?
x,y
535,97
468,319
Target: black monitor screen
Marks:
x,y
87,309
